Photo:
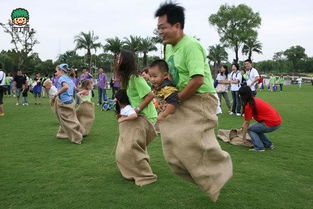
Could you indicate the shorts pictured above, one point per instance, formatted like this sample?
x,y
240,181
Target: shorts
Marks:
x,y
1,94
18,92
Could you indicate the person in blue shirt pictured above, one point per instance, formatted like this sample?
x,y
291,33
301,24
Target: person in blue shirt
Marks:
x,y
64,106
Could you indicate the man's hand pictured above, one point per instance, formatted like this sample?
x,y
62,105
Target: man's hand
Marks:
x,y
161,117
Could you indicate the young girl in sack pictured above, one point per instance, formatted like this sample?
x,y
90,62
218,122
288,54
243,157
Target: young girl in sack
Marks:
x,y
86,110
64,107
135,135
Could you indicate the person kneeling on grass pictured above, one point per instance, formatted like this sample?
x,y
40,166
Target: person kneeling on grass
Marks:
x,y
123,108
267,118
64,107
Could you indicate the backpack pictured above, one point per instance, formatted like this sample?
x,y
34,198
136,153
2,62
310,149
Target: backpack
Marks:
x,y
108,105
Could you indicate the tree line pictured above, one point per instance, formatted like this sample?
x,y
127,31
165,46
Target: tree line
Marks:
x,y
236,25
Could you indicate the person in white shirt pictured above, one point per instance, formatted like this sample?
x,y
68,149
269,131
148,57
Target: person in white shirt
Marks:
x,y
253,76
235,78
123,108
299,81
51,91
2,85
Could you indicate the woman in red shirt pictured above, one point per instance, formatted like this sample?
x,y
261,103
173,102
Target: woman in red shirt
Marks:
x,y
267,118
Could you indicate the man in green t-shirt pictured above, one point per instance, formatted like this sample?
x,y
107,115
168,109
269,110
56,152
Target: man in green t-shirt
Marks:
x,y
189,143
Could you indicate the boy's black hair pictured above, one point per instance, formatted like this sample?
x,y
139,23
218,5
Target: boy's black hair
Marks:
x,y
122,98
161,64
175,14
248,60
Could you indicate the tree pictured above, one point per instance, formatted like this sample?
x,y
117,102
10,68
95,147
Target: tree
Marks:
x,y
133,44
251,45
158,40
23,42
88,42
295,54
217,54
147,45
71,58
113,45
235,25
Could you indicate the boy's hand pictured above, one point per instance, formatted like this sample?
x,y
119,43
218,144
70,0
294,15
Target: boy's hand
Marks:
x,y
121,119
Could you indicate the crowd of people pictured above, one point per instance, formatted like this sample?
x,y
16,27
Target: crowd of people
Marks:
x,y
175,96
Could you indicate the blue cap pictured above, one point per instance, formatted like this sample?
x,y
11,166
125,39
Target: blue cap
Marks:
x,y
64,67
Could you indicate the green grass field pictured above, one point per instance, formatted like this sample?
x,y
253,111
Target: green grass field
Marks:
x,y
39,171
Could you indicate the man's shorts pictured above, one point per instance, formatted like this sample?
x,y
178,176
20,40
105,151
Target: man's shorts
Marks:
x,y
18,92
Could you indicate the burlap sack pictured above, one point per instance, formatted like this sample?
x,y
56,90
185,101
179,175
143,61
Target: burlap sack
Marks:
x,y
86,115
131,154
69,125
190,146
234,137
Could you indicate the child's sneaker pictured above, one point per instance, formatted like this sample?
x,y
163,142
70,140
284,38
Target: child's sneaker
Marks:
x,y
257,150
238,114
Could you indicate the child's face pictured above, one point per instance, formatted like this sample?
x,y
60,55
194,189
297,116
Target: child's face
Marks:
x,y
90,86
58,72
145,76
156,76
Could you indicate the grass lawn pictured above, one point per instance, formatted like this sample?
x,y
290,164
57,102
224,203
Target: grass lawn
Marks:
x,y
39,171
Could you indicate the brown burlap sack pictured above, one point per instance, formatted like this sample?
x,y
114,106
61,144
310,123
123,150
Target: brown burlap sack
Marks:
x,y
69,125
190,146
86,115
234,137
131,154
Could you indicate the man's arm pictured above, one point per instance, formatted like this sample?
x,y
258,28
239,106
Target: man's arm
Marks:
x,y
170,109
193,85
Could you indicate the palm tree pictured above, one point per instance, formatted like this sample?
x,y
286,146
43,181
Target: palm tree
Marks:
x,y
147,45
87,41
158,40
217,54
251,45
113,45
133,43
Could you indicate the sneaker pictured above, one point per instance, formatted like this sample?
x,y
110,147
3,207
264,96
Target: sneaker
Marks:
x,y
231,113
238,114
257,150
1,114
271,147
17,103
26,104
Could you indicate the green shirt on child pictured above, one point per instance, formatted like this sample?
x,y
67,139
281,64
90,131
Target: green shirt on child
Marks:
x,y
137,89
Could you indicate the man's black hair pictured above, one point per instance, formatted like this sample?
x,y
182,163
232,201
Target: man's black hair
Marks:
x,y
174,12
248,60
161,64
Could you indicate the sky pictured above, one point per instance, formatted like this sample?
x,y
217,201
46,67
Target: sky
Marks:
x,y
285,23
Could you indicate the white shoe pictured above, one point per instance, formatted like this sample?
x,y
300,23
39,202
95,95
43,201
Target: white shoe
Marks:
x,y
238,114
231,113
17,103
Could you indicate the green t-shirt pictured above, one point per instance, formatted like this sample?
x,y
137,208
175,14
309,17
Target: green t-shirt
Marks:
x,y
186,59
8,80
272,80
137,89
281,80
